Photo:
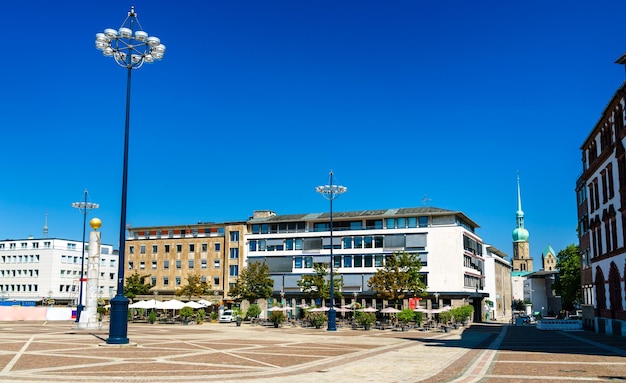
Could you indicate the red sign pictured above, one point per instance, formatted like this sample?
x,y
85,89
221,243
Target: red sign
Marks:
x,y
413,302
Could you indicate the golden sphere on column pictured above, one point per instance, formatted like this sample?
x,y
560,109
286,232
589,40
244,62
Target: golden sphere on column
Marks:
x,y
95,223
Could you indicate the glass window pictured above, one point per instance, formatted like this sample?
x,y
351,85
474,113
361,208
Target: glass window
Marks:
x,y
191,263
192,247
256,229
178,264
423,221
368,260
347,242
177,281
166,248
358,261
358,242
356,225
154,264
204,247
299,244
391,223
234,253
412,221
153,281
131,249
166,281
252,246
289,244
297,262
378,242
336,261
166,264
217,246
203,263
401,223
308,262
234,236
347,261
378,261
142,249
179,248
216,280
368,242
234,270
131,264
216,263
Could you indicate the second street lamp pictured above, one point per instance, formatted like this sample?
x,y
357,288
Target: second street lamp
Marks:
x,y
330,192
131,47
84,207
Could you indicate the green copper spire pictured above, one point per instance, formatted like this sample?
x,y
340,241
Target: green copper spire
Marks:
x,y
519,234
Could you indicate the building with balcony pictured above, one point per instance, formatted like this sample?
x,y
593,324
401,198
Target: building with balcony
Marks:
x,y
601,199
49,269
452,254
167,255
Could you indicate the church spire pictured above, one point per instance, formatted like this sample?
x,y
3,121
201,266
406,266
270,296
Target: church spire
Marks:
x,y
519,234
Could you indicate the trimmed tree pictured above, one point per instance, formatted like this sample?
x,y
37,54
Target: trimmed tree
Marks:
x,y
399,277
254,282
317,285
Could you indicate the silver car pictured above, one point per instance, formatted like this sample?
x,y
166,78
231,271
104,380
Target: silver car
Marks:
x,y
227,316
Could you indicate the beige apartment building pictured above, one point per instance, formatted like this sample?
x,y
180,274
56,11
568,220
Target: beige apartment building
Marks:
x,y
169,254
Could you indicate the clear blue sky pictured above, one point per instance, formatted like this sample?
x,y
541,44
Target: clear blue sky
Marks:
x,y
255,101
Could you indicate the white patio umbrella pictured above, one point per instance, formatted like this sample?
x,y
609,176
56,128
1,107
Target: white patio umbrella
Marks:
x,y
150,304
172,304
368,310
276,308
319,309
303,306
343,310
137,305
193,305
390,310
204,302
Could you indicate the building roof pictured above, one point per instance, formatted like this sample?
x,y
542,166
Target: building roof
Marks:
x,y
380,213
548,250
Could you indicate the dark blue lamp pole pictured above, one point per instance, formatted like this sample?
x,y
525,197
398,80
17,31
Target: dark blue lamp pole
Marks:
x,y
84,208
330,192
131,47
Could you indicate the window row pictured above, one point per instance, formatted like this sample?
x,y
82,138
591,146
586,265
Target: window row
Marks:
x,y
376,224
179,248
19,288
178,280
171,233
394,241
31,258
608,188
19,273
24,245
177,263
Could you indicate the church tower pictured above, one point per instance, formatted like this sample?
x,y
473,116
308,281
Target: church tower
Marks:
x,y
521,248
548,259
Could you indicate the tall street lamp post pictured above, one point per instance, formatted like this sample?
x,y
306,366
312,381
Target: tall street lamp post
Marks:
x,y
84,207
330,192
131,47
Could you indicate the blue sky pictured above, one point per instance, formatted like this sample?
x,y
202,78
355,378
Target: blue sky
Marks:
x,y
255,101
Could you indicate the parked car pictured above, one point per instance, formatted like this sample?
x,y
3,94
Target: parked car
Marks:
x,y
227,316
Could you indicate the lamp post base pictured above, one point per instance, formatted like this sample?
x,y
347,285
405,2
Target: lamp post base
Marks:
x,y
79,309
332,320
118,326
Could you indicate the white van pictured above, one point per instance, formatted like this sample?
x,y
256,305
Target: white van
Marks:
x,y
227,316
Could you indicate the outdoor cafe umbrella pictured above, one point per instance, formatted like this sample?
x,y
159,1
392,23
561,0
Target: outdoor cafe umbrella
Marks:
x,y
193,305
368,310
150,304
276,308
319,309
204,302
390,310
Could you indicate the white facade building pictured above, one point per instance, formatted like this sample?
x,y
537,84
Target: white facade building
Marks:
x,y
450,250
48,269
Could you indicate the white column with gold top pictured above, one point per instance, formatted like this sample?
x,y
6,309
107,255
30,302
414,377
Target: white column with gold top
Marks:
x,y
89,316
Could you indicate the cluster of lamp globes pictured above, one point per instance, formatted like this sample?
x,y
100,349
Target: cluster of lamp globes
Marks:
x,y
119,44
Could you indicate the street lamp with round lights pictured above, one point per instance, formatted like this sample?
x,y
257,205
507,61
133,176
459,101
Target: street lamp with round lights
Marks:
x,y
84,207
130,47
330,192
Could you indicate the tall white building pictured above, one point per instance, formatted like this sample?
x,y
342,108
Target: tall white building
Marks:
x,y
453,263
32,270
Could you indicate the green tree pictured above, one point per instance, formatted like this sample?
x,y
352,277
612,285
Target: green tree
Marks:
x,y
194,287
399,278
254,282
317,285
568,284
136,285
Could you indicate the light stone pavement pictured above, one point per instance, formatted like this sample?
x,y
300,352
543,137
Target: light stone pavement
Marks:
x,y
58,352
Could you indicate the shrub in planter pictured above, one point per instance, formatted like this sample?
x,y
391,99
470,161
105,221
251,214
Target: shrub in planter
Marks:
x,y
213,316
253,311
419,318
152,317
186,312
200,316
406,315
365,319
317,319
445,317
277,318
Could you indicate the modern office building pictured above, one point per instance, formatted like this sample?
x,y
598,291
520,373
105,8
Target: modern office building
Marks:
x,y
601,198
453,263
49,269
167,255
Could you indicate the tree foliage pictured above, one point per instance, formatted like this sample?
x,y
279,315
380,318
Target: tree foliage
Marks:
x,y
568,285
317,285
194,287
399,278
136,285
254,282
